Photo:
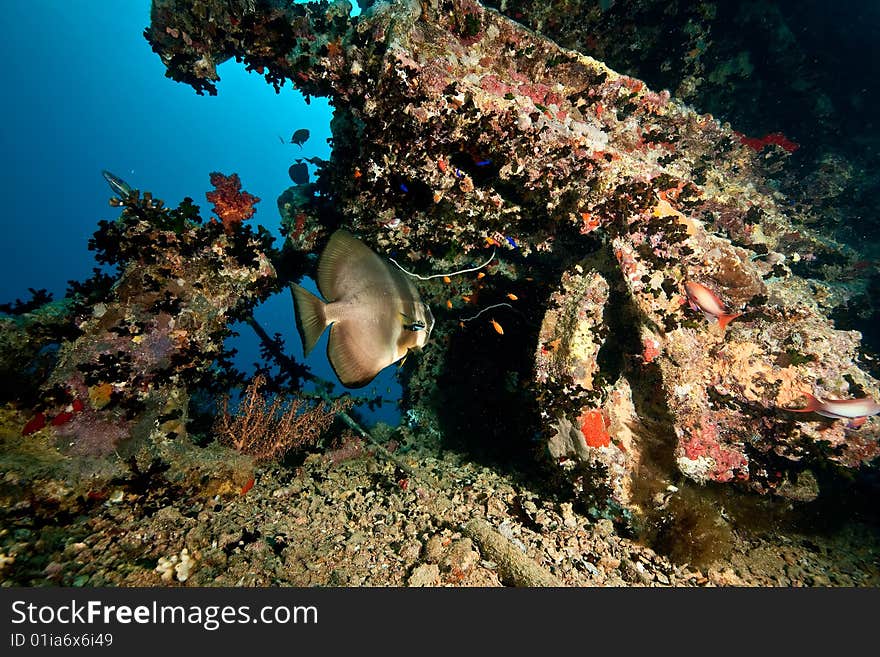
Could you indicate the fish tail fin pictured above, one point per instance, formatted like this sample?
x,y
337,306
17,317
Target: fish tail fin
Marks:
x,y
813,404
724,320
311,319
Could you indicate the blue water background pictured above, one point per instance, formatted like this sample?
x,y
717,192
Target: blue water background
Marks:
x,y
84,92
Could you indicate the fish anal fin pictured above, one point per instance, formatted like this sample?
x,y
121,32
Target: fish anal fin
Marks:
x,y
355,355
856,422
311,318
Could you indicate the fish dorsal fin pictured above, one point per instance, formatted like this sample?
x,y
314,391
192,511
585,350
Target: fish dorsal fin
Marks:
x,y
347,265
357,351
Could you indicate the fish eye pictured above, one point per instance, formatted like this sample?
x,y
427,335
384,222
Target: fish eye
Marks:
x,y
414,325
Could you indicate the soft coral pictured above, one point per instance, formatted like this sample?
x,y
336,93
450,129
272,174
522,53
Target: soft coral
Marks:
x,y
776,138
231,204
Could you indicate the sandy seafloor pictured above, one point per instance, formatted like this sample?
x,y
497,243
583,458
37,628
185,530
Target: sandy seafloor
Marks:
x,y
352,517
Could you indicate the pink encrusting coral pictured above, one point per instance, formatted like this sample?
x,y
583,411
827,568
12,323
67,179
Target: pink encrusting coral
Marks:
x,y
651,349
719,462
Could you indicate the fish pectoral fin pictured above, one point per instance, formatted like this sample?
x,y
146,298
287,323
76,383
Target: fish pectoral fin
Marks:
x,y
311,319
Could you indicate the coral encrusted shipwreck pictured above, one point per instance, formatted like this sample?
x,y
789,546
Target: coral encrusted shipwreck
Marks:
x,y
114,366
458,131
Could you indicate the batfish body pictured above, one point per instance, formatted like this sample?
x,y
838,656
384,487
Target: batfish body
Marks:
x,y
374,311
299,173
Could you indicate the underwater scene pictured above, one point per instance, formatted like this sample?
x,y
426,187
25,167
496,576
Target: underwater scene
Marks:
x,y
440,293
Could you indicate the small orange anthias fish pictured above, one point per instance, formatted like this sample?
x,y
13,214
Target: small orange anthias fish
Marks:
x,y
855,410
497,327
707,302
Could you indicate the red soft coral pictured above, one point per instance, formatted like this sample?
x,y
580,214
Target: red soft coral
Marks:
x,y
776,138
231,204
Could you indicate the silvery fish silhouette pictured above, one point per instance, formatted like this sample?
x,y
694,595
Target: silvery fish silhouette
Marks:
x,y
121,188
374,311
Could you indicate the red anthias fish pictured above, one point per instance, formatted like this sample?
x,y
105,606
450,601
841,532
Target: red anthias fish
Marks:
x,y
707,302
855,410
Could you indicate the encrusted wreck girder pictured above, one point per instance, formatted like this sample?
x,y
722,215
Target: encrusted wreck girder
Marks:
x,y
457,130
141,345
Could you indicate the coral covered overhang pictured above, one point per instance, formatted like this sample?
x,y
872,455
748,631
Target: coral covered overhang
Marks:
x,y
457,128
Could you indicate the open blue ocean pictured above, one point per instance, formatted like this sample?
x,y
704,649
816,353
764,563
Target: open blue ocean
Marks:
x,y
86,112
